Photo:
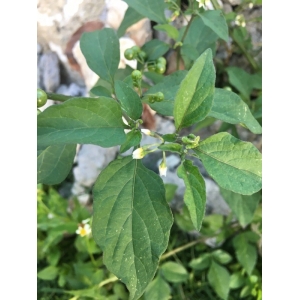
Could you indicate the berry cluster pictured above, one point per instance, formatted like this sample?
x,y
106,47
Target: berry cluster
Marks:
x,y
158,66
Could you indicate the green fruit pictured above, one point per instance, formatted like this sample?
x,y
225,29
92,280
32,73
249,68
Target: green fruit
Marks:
x,y
136,75
136,49
129,54
151,67
160,97
142,55
161,60
160,68
41,98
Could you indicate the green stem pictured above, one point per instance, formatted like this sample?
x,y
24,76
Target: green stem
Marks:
x,y
90,253
182,40
58,97
109,280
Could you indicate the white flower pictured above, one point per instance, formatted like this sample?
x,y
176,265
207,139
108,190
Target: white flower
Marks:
x,y
138,153
203,2
146,131
86,221
162,170
83,229
163,166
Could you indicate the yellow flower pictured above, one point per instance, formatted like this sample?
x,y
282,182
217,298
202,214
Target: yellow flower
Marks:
x,y
83,229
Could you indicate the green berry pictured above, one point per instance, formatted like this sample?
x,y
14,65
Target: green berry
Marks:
x,y
136,75
129,54
151,67
142,55
136,49
41,98
161,60
160,97
160,68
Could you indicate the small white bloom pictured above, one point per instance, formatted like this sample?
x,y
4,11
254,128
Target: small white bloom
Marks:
x,y
86,221
50,216
146,131
138,153
162,170
203,2
84,229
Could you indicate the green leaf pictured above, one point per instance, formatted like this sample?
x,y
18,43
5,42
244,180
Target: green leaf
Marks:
x,y
152,9
170,191
235,165
195,95
121,74
246,253
189,55
100,91
221,256
95,121
200,36
194,195
236,281
101,50
131,222
219,279
230,108
201,263
133,138
169,87
54,163
129,99
158,289
241,80
246,291
174,272
183,220
215,20
49,273
171,31
243,207
154,77
131,17
155,49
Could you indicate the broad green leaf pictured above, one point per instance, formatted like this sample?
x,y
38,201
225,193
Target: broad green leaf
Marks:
x,y
235,165
54,163
170,191
246,253
215,20
219,279
158,289
155,49
242,206
121,74
131,222
183,220
201,263
133,138
246,291
195,192
100,91
154,77
200,36
101,50
169,87
195,95
236,280
152,9
49,273
221,256
95,121
131,17
171,31
174,272
230,108
129,99
104,84
241,80
189,55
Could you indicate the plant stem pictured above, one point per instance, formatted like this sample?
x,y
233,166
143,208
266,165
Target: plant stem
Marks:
x,y
90,253
182,40
58,97
109,280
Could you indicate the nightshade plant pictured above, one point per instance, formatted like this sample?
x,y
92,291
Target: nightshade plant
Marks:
x,y
131,217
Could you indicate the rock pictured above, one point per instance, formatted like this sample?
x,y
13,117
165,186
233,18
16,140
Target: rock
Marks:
x,y
49,71
39,49
72,90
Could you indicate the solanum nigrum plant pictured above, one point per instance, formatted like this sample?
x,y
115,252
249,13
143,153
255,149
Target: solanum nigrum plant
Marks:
x,y
131,217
